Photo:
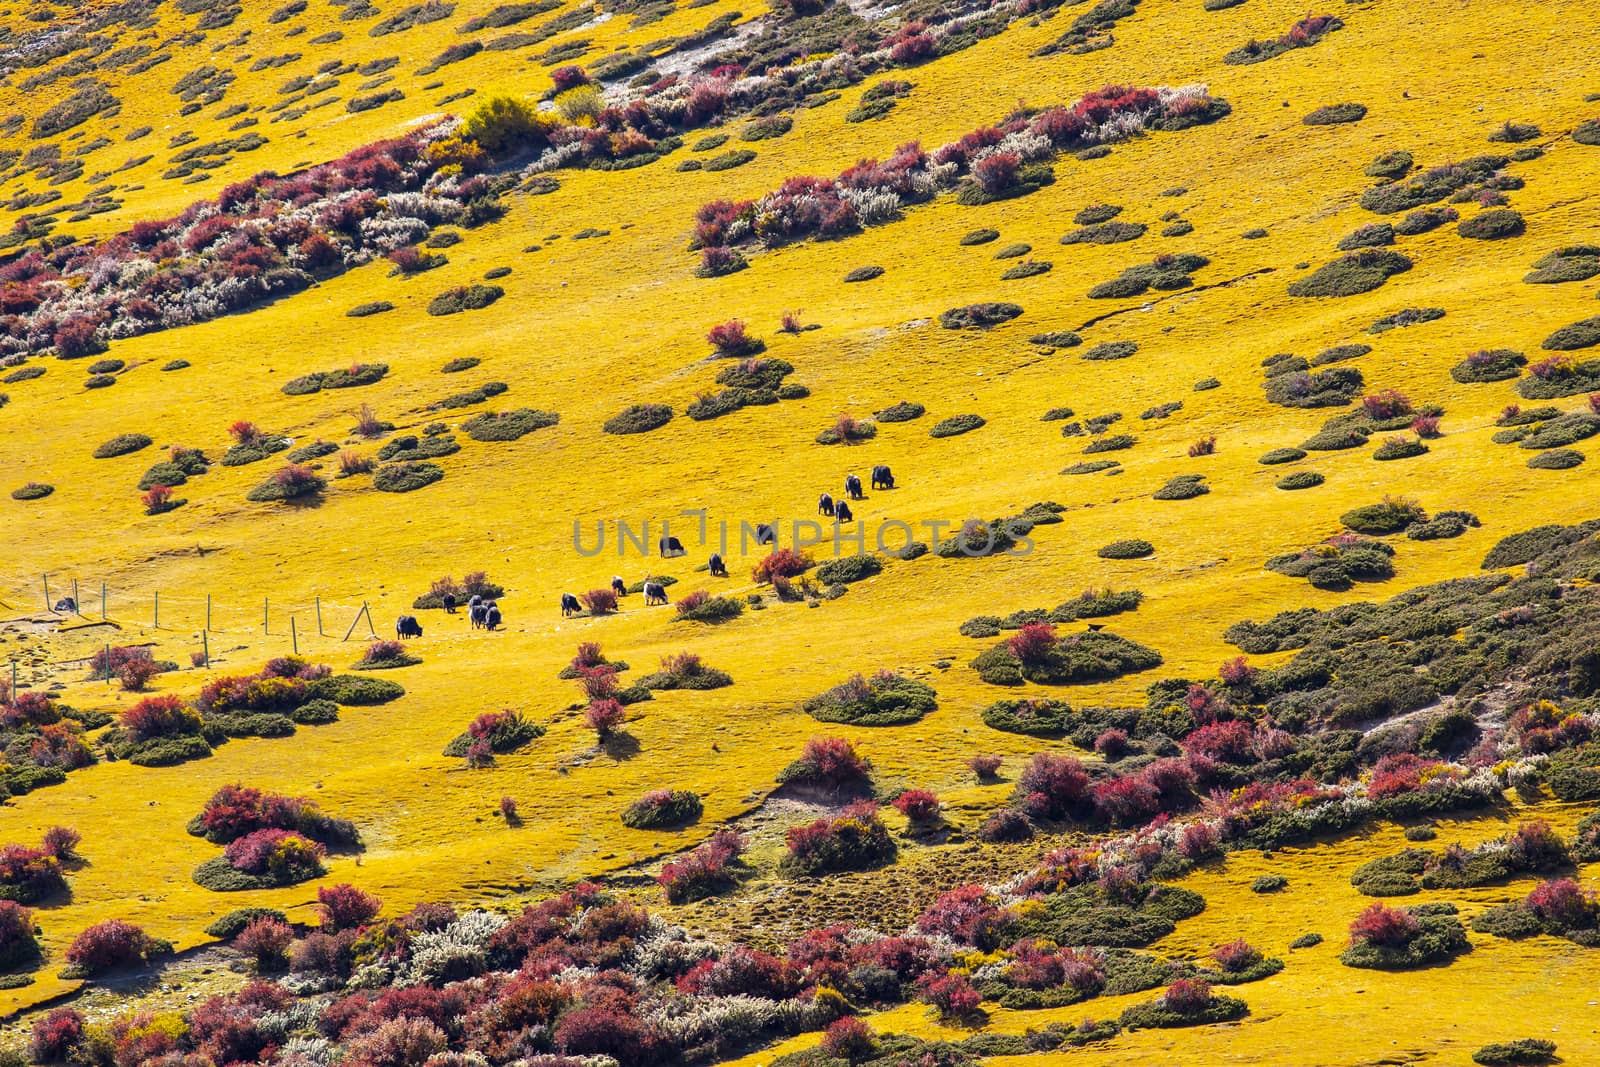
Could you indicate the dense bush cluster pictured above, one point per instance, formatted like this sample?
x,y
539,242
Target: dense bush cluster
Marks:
x,y
885,699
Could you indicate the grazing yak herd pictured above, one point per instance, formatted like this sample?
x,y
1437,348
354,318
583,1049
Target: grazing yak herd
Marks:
x,y
485,614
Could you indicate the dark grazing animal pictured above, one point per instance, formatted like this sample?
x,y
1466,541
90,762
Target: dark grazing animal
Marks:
x,y
569,606
66,604
882,478
852,485
718,568
407,626
655,593
825,505
491,616
476,613
842,513
671,546
766,534
449,602
618,586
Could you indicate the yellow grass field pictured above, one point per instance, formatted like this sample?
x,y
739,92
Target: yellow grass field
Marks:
x,y
588,327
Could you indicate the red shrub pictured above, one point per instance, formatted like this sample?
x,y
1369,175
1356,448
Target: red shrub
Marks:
x,y
918,805
297,478
603,717
1562,901
1401,773
1382,925
266,941
1236,956
60,745
998,172
848,1039
790,323
1535,846
1053,786
589,655
599,682
1553,367
1126,801
832,763
715,260
595,1031
17,941
245,432
1199,841
1594,403
345,907
1205,446
950,993
599,601
731,339
75,339
691,601
30,873
984,767
61,842
283,854
56,1036
109,944
1112,744
1237,672
568,78
1032,643
156,497
1187,996
1231,741
159,716
1426,426
781,563
1389,404
704,871
383,649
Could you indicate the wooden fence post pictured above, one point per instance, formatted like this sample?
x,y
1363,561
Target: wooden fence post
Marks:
x,y
294,636
46,592
205,644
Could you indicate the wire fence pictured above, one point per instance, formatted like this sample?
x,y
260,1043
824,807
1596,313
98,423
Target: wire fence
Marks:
x,y
75,604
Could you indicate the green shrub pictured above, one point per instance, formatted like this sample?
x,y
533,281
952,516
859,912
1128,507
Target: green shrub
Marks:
x,y
1440,939
32,491
1336,565
1559,459
1523,1052
122,445
505,733
1390,517
1059,339
1128,548
843,431
1182,487
1425,220
1399,448
405,477
737,157
978,316
1112,350
1282,455
1405,317
1580,334
884,699
1013,251
1564,430
354,690
1335,440
1490,365
864,274
638,418
1334,114
1092,466
1092,656
1445,525
1492,225
712,609
1114,443
956,424
1096,213
847,569
1574,263
1027,268
1105,233
303,454
1300,480
1035,718
282,486
464,298
1334,387
508,426
23,374
459,364
1157,1014
1430,186
315,713
904,411
232,924
655,811
1359,272
980,237
1372,235
1395,164
1271,883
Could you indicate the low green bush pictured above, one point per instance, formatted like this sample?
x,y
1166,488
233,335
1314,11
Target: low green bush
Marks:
x,y
354,690
980,237
464,298
1282,455
1394,164
371,307
884,699
32,491
1114,443
956,425
1489,365
1574,263
848,569
653,811
979,316
509,425
1092,466
864,274
1558,459
1495,224
904,411
1359,272
1092,656
230,925
1027,268
1405,317
122,445
1035,718
1300,480
638,418
1129,548
1335,114
1105,233
1112,350
406,477
1399,448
